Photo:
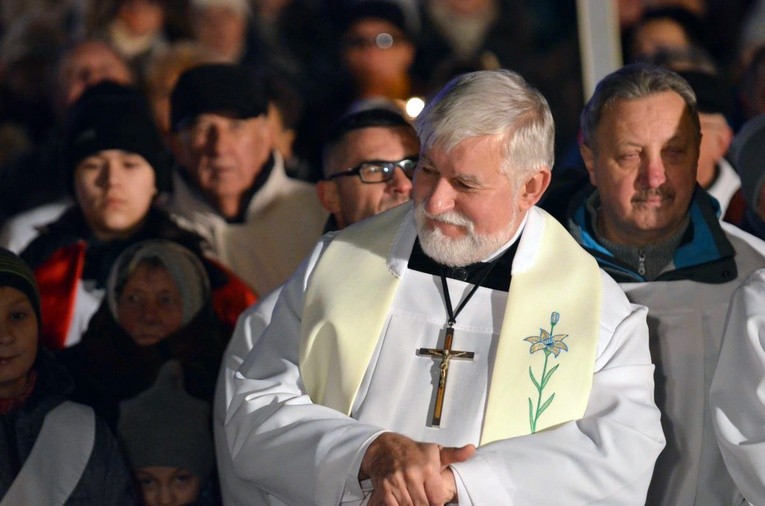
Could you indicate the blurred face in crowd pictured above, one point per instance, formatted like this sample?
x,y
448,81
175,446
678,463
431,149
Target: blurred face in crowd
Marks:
x,y
468,7
347,197
163,72
168,486
150,306
656,35
221,29
466,207
642,160
114,189
224,154
90,63
376,53
142,17
18,341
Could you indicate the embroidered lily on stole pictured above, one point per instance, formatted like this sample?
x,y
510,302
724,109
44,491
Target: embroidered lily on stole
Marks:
x,y
550,344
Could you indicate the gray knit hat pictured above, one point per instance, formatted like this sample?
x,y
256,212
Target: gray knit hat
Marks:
x,y
165,426
184,267
747,154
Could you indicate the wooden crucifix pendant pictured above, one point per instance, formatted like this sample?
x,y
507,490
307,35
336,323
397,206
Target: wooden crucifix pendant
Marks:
x,y
446,354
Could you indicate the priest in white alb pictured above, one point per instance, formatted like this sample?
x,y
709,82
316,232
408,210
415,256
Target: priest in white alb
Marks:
x,y
458,349
736,400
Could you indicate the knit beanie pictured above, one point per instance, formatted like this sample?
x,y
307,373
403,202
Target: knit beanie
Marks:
x,y
747,155
16,273
165,426
112,116
183,266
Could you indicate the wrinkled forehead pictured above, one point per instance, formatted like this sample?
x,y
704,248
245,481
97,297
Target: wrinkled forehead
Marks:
x,y
663,114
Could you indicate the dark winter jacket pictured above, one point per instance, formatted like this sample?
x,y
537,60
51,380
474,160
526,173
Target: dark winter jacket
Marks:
x,y
105,480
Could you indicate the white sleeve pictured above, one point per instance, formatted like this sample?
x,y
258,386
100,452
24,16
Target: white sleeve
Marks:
x,y
607,456
249,327
271,421
737,395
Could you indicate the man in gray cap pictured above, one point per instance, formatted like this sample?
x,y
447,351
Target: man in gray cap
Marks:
x,y
231,185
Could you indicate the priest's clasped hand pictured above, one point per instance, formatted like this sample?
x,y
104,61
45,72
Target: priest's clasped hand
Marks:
x,y
405,472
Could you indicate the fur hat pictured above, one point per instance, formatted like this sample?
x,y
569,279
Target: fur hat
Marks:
x,y
16,273
111,116
165,426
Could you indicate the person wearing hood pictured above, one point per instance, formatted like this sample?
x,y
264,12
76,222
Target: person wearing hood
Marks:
x,y
167,439
52,451
157,308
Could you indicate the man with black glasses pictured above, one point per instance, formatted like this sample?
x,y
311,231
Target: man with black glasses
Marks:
x,y
369,159
363,153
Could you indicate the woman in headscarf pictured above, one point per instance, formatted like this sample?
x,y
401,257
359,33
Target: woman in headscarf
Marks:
x,y
157,308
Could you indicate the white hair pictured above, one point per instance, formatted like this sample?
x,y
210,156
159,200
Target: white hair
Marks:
x,y
492,103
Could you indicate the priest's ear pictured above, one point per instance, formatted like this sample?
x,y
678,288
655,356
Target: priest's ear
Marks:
x,y
329,196
533,188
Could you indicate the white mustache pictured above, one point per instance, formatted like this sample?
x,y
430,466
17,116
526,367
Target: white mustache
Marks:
x,y
448,217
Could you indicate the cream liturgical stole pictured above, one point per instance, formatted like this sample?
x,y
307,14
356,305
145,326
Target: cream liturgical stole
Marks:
x,y
548,339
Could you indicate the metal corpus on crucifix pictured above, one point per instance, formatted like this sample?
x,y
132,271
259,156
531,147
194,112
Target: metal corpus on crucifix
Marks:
x,y
446,354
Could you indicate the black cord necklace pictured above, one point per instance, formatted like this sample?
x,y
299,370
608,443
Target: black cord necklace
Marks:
x,y
447,353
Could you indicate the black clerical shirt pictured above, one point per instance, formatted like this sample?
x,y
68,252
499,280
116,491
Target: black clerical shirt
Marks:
x,y
497,279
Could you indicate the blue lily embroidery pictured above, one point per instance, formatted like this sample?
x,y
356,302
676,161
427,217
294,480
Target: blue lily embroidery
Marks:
x,y
550,344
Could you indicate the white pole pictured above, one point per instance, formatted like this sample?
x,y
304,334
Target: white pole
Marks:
x,y
599,41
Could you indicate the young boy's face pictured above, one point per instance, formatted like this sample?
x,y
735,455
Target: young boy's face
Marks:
x,y
168,486
18,341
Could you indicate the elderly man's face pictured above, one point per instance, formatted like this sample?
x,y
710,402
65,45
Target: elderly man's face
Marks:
x,y
465,206
643,162
224,154
348,198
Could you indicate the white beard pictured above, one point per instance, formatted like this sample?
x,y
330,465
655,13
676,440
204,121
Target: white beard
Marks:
x,y
460,251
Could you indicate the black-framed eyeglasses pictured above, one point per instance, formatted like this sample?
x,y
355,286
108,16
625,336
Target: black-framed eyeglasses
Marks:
x,y
378,171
